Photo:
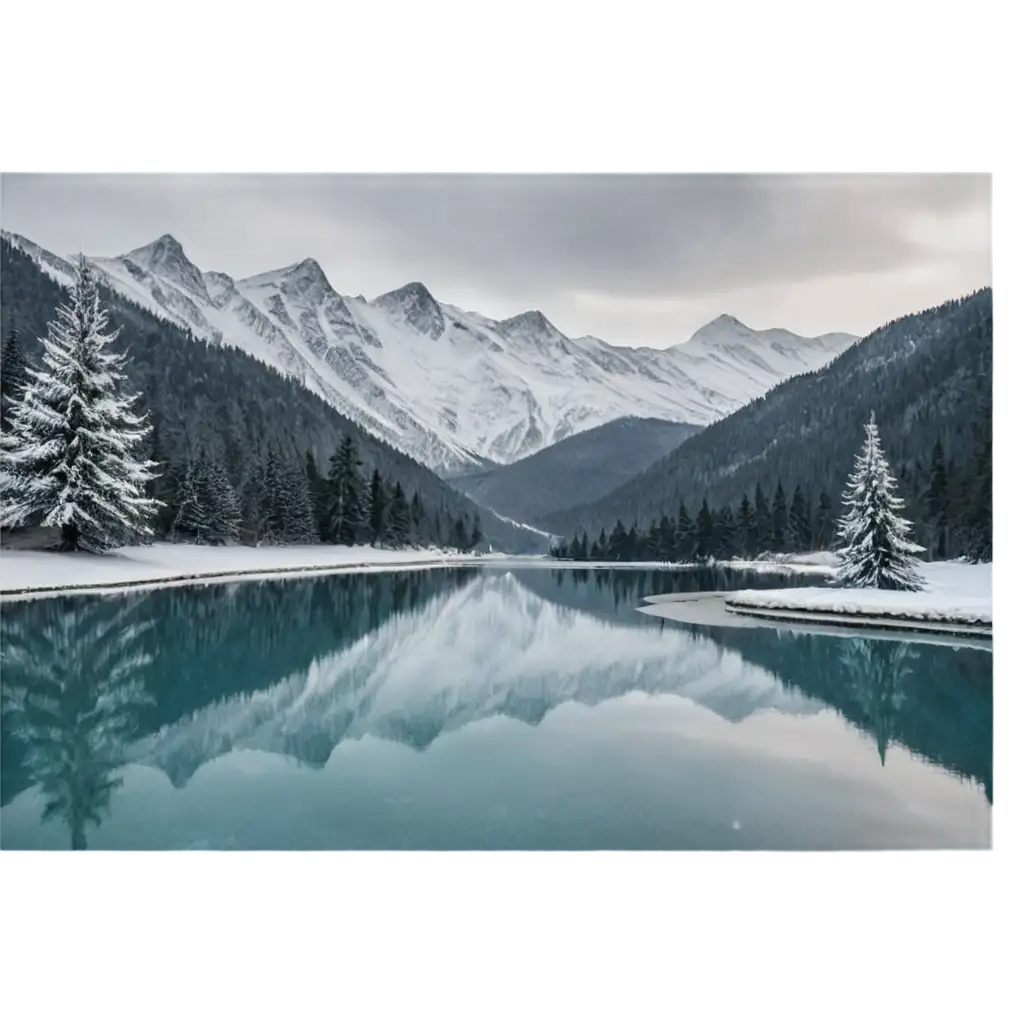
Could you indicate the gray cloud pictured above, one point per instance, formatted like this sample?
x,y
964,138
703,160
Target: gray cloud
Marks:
x,y
636,259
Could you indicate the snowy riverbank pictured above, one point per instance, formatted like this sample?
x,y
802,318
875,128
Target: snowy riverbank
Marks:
x,y
955,592
38,572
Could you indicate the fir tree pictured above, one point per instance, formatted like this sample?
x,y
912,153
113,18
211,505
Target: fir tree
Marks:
x,y
601,547
296,513
459,535
977,502
71,457
725,534
705,541
12,377
398,519
317,487
763,517
877,550
780,520
936,501
346,487
747,527
377,509
685,539
476,534
824,523
800,522
417,517
618,543
666,546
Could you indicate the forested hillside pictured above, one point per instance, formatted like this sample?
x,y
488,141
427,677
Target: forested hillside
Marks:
x,y
583,467
927,378
227,416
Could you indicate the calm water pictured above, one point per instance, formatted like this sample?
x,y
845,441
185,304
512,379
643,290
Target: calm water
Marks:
x,y
477,709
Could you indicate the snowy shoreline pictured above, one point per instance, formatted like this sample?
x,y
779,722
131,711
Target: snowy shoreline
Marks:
x,y
31,574
27,574
956,593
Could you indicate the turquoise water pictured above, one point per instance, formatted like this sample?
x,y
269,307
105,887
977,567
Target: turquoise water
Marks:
x,y
477,709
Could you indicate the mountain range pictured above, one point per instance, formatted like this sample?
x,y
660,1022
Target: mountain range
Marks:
x,y
926,377
455,390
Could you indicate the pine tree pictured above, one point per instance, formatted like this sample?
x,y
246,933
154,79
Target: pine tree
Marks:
x,y
271,526
317,487
824,523
13,377
780,520
601,547
296,513
936,502
725,534
666,546
377,508
346,487
398,519
71,457
618,542
800,522
705,545
476,534
417,517
459,535
747,528
977,518
685,538
206,503
763,517
877,550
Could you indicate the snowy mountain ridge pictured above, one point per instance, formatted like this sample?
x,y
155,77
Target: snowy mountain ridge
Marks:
x,y
455,390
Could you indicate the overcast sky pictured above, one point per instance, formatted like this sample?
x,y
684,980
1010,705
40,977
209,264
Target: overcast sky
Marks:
x,y
636,260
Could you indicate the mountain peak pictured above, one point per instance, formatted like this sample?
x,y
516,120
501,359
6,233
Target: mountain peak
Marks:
x,y
414,304
166,258
532,324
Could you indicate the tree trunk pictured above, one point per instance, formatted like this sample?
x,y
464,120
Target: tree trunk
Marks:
x,y
69,536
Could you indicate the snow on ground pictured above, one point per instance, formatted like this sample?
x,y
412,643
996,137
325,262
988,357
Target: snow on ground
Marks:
x,y
171,563
955,592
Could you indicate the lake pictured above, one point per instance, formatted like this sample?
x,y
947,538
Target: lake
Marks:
x,y
476,709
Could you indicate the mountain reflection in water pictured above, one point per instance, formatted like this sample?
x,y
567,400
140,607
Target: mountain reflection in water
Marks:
x,y
174,679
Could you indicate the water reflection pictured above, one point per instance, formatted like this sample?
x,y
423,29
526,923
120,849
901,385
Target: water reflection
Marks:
x,y
72,690
176,679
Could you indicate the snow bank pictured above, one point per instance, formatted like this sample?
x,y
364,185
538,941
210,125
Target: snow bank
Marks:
x,y
22,571
955,592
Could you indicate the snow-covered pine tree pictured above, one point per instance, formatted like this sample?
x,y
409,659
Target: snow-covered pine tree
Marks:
x,y
12,376
71,458
877,550
225,506
299,519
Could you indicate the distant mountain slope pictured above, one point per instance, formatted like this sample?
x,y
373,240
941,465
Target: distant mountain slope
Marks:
x,y
225,400
453,389
926,377
583,467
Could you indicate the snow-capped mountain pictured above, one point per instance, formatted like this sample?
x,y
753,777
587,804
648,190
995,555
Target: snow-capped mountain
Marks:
x,y
453,389
493,647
